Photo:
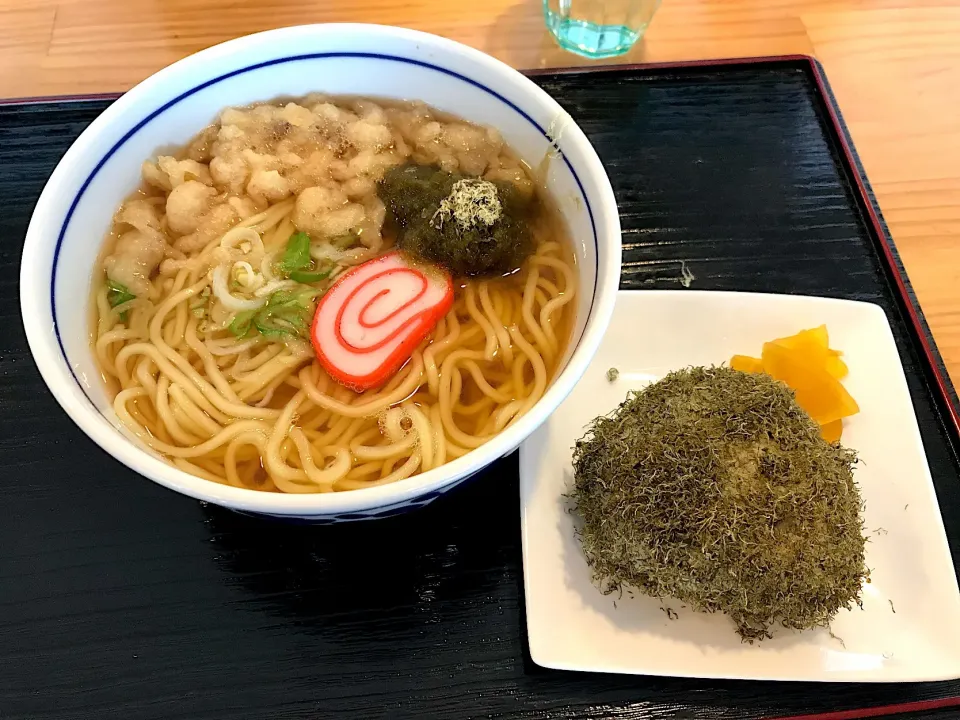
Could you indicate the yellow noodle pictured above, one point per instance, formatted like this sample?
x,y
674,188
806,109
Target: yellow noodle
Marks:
x,y
199,417
490,348
248,364
103,344
481,382
376,403
191,381
193,451
430,354
254,439
195,469
364,469
439,437
482,406
426,440
367,453
531,325
268,373
179,433
207,361
539,368
323,478
403,472
496,320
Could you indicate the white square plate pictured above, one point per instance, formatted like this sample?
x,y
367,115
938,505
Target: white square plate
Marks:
x,y
909,628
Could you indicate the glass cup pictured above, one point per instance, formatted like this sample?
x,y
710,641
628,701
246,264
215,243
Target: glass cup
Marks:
x,y
598,28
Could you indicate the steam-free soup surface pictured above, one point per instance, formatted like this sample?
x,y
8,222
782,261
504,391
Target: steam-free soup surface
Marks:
x,y
207,324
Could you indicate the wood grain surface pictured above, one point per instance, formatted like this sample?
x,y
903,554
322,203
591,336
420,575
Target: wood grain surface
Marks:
x,y
894,65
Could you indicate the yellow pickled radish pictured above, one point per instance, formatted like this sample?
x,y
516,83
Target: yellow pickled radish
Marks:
x,y
831,432
747,364
818,392
815,343
817,337
806,362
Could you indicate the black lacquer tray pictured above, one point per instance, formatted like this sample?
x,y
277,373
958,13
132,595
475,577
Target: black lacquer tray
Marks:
x,y
120,599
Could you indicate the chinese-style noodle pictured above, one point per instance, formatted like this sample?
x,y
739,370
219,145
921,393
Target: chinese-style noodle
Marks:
x,y
197,247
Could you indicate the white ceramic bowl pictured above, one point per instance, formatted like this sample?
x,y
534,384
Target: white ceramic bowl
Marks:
x,y
103,166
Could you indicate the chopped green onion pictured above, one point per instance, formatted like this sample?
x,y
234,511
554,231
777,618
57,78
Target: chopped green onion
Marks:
x,y
242,324
118,294
308,276
297,254
296,262
276,328
282,298
299,300
286,314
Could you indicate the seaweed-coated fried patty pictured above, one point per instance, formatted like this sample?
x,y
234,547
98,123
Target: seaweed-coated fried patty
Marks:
x,y
472,227
714,487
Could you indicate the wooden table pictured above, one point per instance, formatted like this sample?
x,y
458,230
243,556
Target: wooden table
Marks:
x,y
894,65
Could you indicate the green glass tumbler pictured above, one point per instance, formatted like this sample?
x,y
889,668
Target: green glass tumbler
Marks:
x,y
598,28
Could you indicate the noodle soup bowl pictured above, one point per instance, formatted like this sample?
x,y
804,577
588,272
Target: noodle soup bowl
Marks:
x,y
60,257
